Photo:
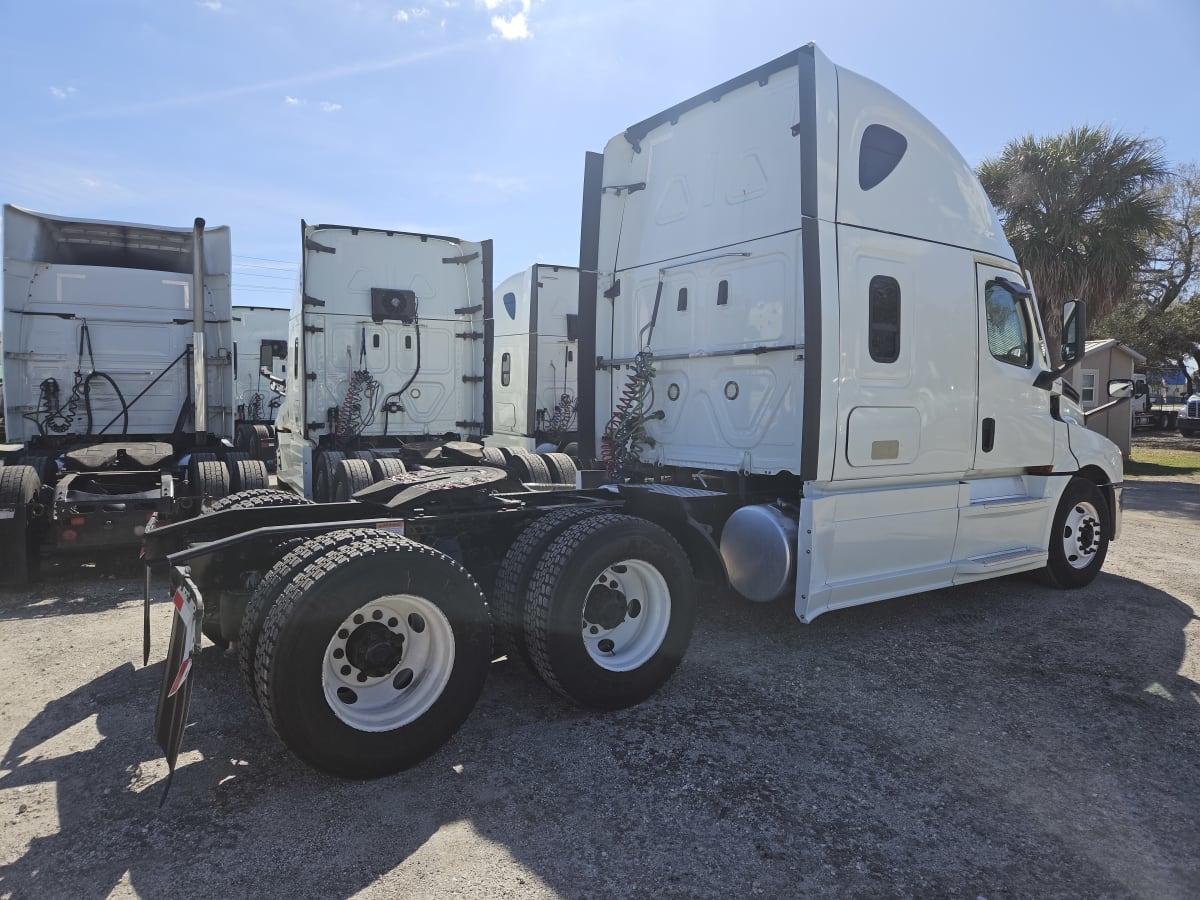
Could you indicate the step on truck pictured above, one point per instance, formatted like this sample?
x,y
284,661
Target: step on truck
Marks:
x,y
259,374
814,372
534,333
119,394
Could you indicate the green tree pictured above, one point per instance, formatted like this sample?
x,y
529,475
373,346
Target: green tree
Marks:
x,y
1161,320
1081,209
1172,270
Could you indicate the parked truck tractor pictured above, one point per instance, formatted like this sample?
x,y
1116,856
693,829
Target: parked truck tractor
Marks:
x,y
534,333
259,365
811,371
119,389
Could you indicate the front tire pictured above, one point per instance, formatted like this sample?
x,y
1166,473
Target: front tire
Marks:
x,y
1079,536
610,610
373,655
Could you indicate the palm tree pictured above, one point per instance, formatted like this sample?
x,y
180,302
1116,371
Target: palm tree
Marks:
x,y
1080,209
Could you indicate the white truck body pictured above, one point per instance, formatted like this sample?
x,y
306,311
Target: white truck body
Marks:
x,y
534,365
812,369
1189,416
129,289
818,275
254,327
429,368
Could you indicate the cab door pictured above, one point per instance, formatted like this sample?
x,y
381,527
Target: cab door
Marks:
x,y
1014,428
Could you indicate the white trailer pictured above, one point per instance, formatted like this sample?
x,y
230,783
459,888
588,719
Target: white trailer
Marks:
x,y
534,336
814,370
118,364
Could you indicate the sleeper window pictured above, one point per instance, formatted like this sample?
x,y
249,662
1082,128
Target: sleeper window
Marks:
x,y
505,369
1010,339
883,332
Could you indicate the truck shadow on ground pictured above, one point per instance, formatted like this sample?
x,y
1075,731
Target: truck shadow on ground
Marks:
x,y
63,588
1002,737
1170,498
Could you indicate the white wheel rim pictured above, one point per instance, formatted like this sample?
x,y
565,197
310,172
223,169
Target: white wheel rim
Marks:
x,y
418,663
626,614
1082,532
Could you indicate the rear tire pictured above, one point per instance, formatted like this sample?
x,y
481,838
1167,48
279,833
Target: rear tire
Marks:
x,y
278,577
250,475
512,580
385,467
352,476
610,610
1079,536
323,480
19,486
211,480
529,467
562,467
493,457
44,466
258,497
360,680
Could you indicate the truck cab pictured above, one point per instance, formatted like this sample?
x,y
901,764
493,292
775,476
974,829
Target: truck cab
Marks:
x,y
534,335
385,348
803,289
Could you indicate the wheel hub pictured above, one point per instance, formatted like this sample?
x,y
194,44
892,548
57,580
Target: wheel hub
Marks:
x,y
1082,533
374,650
606,606
1087,535
388,662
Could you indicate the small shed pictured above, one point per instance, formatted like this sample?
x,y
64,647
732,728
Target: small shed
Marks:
x,y
1102,361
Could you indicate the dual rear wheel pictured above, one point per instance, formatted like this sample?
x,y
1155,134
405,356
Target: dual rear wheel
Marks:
x,y
366,650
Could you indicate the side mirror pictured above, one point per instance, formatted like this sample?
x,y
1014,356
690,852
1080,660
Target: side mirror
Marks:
x,y
1074,331
1141,389
1120,388
1074,339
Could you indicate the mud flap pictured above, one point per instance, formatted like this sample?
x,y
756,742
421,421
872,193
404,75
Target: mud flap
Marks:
x,y
176,692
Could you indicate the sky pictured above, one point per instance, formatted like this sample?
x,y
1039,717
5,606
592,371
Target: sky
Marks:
x,y
471,118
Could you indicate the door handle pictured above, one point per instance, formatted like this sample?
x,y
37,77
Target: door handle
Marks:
x,y
989,434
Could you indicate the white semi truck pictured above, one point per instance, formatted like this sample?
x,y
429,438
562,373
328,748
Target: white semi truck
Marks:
x,y
119,389
259,372
535,341
385,350
390,362
813,371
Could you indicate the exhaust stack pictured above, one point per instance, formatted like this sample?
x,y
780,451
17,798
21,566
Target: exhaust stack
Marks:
x,y
199,373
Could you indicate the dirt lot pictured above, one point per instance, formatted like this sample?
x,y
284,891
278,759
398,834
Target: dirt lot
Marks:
x,y
997,740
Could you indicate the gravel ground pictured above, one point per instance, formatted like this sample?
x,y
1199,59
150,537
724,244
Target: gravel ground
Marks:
x,y
1003,739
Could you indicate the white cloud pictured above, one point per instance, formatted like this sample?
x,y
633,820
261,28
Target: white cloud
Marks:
x,y
514,27
214,5
61,93
349,70
292,101
326,106
407,15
